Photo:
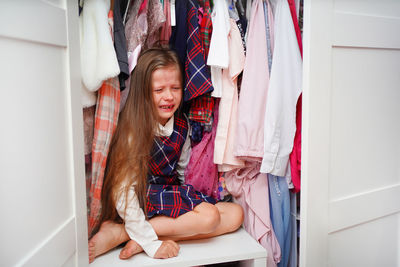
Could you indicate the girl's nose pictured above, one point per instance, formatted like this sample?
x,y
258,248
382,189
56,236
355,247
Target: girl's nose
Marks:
x,y
168,94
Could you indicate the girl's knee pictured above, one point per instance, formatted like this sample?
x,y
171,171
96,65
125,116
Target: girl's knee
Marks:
x,y
238,215
210,217
235,216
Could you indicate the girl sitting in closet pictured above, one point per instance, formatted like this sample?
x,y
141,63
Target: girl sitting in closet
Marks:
x,y
143,199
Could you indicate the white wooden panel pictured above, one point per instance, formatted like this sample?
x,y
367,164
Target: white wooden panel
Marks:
x,y
71,262
351,129
74,85
384,8
365,129
366,31
33,20
315,131
372,244
43,202
35,146
59,247
366,206
58,3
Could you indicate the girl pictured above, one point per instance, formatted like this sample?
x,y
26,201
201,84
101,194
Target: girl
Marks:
x,y
148,154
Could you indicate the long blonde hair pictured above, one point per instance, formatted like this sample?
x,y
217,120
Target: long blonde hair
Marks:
x,y
132,142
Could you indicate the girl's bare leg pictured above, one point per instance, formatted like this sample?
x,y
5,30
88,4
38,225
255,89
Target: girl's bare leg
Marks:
x,y
181,228
203,219
206,220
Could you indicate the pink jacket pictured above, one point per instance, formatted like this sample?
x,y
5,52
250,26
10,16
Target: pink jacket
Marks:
x,y
255,83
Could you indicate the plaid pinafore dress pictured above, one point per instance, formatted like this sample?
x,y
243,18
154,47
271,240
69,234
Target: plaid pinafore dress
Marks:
x,y
165,195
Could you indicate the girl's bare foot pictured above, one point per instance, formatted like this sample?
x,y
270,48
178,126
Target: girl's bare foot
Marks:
x,y
108,237
131,248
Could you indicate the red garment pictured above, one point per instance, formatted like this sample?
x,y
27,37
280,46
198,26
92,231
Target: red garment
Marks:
x,y
201,108
106,118
295,156
293,12
165,32
143,7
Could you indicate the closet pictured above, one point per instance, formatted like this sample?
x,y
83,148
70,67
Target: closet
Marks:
x,y
350,195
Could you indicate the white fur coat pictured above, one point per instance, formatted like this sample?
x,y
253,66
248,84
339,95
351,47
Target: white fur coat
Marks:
x,y
98,58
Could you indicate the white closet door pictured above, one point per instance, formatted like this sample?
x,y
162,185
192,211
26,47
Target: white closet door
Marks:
x,y
42,191
351,134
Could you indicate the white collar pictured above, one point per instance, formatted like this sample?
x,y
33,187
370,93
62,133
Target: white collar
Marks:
x,y
167,129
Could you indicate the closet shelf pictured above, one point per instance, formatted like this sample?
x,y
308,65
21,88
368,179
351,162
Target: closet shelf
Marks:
x,y
237,246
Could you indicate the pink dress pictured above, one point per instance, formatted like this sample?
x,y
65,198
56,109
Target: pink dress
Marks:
x,y
249,188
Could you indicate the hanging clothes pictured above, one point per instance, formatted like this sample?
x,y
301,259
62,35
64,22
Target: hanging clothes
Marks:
x,y
295,155
280,209
255,83
179,32
242,22
267,13
98,57
201,108
284,90
144,21
249,188
165,32
201,171
120,42
293,255
106,118
198,78
142,27
227,124
218,56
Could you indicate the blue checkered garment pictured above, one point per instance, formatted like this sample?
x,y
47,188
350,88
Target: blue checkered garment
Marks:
x,y
166,153
197,74
165,195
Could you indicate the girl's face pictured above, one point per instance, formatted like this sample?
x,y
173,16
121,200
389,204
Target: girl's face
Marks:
x,y
167,92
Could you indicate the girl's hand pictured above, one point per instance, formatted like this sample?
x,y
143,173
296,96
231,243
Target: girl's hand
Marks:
x,y
168,249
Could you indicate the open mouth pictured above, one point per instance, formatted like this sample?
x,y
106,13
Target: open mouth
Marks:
x,y
167,107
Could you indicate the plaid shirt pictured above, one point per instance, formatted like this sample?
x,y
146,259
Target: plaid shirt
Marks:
x,y
201,107
166,153
106,117
197,75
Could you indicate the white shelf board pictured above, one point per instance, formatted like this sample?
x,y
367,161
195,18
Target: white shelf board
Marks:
x,y
237,246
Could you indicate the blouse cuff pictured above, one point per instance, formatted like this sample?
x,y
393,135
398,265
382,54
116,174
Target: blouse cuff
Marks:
x,y
152,247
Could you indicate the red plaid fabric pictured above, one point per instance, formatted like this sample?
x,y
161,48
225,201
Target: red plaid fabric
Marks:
x,y
197,75
201,107
165,196
173,200
106,117
205,27
166,153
